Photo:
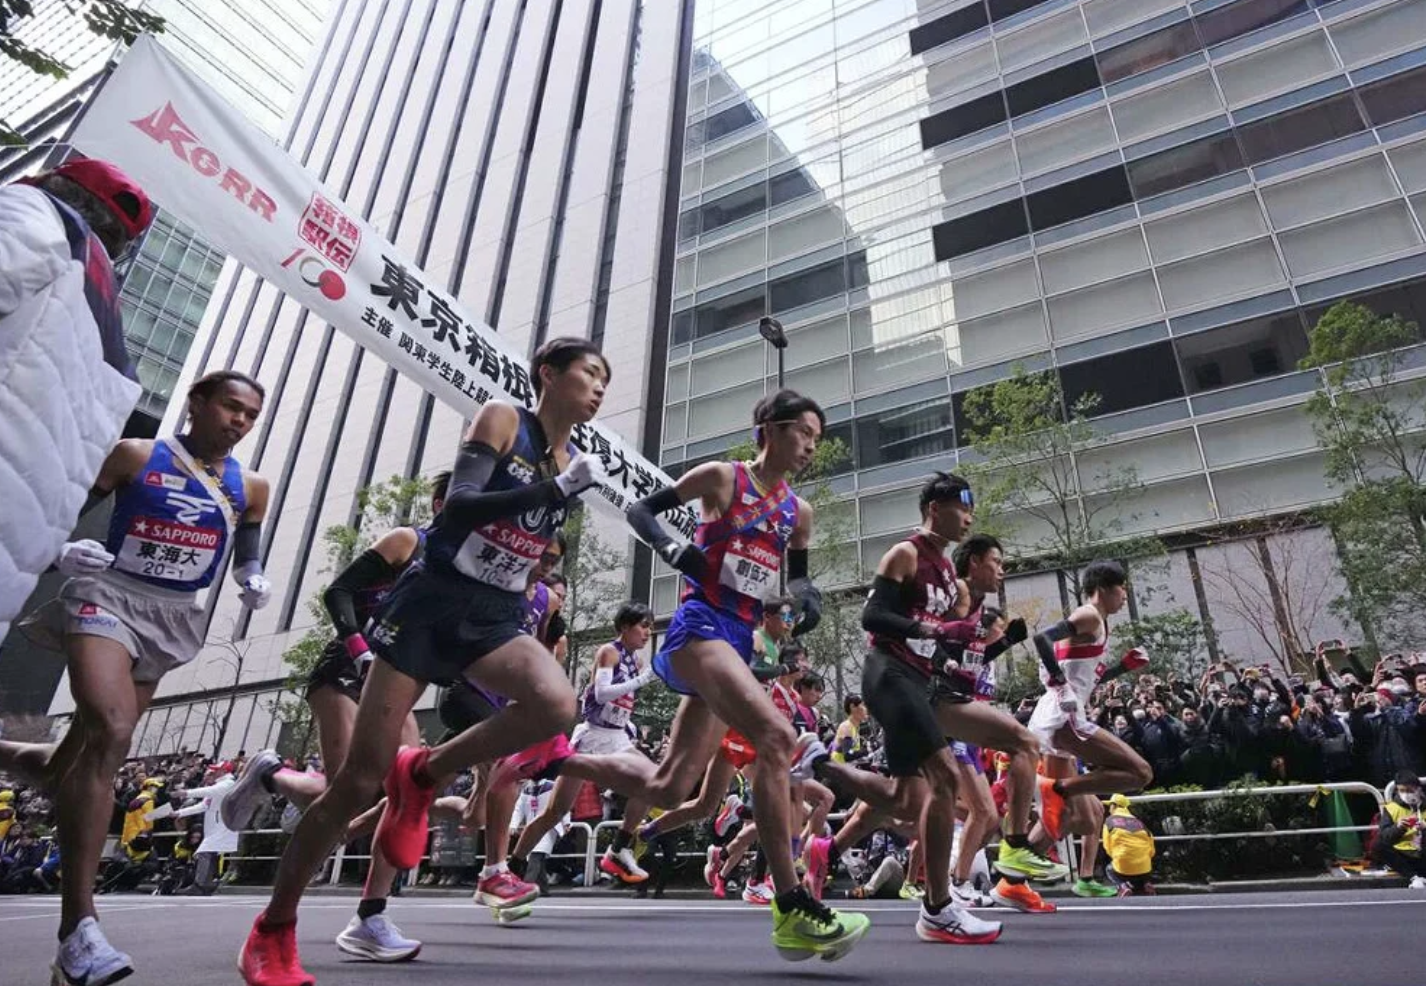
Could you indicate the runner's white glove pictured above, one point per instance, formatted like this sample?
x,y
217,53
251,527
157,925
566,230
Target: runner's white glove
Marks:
x,y
83,558
256,591
581,473
1069,702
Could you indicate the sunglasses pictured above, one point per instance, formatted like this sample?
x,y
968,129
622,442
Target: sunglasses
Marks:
x,y
787,616
965,497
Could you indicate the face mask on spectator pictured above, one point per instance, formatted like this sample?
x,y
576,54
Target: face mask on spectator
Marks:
x,y
1139,714
1400,688
1260,694
1411,799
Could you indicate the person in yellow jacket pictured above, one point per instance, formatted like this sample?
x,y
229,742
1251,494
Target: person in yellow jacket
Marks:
x,y
135,824
7,812
1399,830
1130,846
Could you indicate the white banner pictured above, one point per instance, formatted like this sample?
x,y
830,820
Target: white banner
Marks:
x,y
204,162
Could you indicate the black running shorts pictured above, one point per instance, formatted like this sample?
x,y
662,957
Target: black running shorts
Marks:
x,y
337,670
462,707
898,697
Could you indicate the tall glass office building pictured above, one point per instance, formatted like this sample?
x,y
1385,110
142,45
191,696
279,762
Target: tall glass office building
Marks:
x,y
1152,199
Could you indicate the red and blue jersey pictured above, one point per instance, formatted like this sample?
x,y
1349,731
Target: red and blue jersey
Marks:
x,y
744,548
167,530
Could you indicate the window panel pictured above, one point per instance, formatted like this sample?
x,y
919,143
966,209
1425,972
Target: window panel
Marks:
x,y
1001,9
1081,197
811,343
1249,268
1278,485
967,118
790,185
723,413
675,423
1295,130
726,369
905,433
1149,52
978,230
730,208
1167,107
1108,16
799,234
981,171
1324,193
1277,69
1185,165
1041,40
1127,379
724,122
892,322
1237,19
677,387
1367,38
967,68
738,308
830,381
1065,141
737,256
996,337
902,363
1349,240
1410,164
1395,98
1052,87
1097,310
683,275
944,29
1097,260
898,510
807,286
739,159
1003,287
1241,353
1207,228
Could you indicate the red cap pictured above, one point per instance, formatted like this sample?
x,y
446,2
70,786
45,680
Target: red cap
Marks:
x,y
115,189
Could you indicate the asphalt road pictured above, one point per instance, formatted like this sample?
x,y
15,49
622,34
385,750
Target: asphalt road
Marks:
x,y
1311,939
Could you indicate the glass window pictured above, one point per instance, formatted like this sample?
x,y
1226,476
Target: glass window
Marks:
x,y
1123,380
736,256
830,381
138,325
1081,197
896,365
799,234
1205,228
192,264
675,422
173,253
723,413
978,172
810,343
905,433
731,367
1097,310
978,230
1387,29
739,308
1409,161
1052,87
1164,108
1407,300
1234,20
790,185
681,327
956,24
1107,16
996,337
1241,353
737,205
1069,140
967,118
967,68
1041,40
742,157
724,122
137,280
1349,241
1001,9
806,286
1185,165
1307,126
1396,97
1093,261
1324,193
1149,52
158,288
993,290
1289,65
1250,268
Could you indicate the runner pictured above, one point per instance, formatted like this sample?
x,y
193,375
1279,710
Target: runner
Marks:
x,y
749,517
911,612
1072,663
604,732
461,615
129,614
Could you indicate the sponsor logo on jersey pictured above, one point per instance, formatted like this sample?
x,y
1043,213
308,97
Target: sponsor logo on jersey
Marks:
x,y
165,480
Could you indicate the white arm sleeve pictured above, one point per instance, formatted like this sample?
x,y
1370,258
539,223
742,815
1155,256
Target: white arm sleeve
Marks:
x,y
606,691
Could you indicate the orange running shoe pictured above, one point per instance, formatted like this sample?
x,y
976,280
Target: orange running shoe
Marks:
x,y
1021,897
1052,809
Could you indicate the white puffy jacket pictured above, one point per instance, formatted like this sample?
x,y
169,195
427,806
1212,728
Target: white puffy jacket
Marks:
x,y
62,407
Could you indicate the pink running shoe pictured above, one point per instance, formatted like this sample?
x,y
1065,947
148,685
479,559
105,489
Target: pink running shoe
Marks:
x,y
532,761
505,889
819,863
404,826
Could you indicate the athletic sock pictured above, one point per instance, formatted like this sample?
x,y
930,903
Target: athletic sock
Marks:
x,y
490,871
517,865
936,908
622,840
370,907
1021,841
759,866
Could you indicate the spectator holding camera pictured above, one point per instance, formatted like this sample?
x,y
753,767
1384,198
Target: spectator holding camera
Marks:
x,y
1399,831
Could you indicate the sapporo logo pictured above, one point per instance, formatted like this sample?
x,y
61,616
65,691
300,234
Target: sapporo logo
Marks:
x,y
165,127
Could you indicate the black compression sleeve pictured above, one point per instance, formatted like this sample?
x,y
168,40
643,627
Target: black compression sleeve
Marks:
x,y
469,505
247,543
643,517
769,672
796,563
369,569
996,649
885,612
1045,647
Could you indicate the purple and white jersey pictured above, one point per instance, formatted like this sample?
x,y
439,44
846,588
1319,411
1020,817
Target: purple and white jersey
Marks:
x,y
615,714
536,609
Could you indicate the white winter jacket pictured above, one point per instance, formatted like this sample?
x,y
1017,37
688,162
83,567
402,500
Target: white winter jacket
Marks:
x,y
62,407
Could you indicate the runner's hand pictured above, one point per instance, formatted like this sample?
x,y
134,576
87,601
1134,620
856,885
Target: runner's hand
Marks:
x,y
687,558
1016,631
84,557
581,473
1068,701
256,592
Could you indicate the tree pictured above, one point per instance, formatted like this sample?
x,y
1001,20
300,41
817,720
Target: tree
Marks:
x,y
594,572
111,19
394,502
1369,422
1173,640
1031,486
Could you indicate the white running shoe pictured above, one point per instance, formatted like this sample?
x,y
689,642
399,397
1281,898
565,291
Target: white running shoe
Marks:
x,y
954,926
1417,883
291,815
623,865
759,893
805,757
728,816
966,895
376,938
714,866
248,794
86,958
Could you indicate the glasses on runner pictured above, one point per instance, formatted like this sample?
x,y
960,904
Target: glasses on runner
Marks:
x,y
965,497
787,616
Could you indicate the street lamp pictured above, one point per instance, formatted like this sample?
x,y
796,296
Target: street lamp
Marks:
x,y
772,332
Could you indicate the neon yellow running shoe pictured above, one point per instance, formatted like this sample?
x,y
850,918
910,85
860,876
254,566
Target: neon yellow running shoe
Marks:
x,y
808,927
1092,888
911,891
1027,863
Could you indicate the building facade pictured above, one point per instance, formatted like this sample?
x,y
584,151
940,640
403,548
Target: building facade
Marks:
x,y
1151,199
490,141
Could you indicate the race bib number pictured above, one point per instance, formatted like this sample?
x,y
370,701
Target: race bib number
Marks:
x,y
501,554
616,714
749,568
163,549
921,647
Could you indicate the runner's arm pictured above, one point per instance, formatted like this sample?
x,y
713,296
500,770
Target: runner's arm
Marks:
x,y
490,438
885,609
605,690
247,539
710,480
1015,633
799,581
375,565
1082,622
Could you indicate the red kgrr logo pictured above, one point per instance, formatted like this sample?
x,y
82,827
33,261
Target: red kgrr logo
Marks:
x,y
165,127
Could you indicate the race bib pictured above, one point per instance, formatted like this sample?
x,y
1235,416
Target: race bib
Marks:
x,y
502,554
163,549
749,568
615,714
921,647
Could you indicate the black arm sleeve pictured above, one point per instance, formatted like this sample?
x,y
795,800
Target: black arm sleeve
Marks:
x,y
796,563
369,569
1000,647
885,613
247,542
1045,647
769,672
469,505
643,518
